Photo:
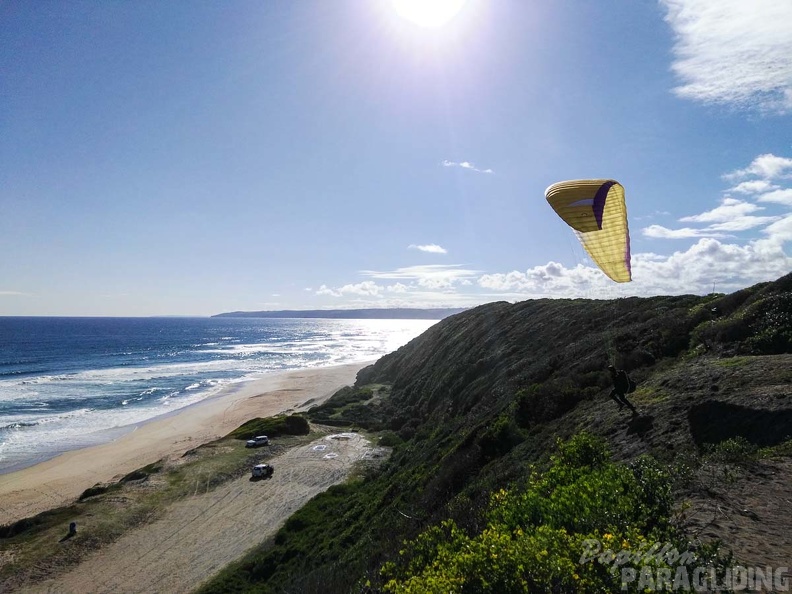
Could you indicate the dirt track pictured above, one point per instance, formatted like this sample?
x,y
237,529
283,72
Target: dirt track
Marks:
x,y
199,536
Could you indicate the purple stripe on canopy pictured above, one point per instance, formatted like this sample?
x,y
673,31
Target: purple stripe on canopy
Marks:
x,y
599,201
627,257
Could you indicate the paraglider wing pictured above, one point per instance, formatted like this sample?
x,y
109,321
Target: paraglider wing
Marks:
x,y
596,210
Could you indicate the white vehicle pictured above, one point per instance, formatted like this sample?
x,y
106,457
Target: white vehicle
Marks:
x,y
259,440
262,471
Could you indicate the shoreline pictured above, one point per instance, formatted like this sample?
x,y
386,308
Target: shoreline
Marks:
x,y
61,479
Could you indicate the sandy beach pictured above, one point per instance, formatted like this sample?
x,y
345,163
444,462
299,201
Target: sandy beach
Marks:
x,y
62,479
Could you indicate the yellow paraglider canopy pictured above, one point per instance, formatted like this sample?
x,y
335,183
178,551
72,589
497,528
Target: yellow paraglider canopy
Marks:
x,y
596,210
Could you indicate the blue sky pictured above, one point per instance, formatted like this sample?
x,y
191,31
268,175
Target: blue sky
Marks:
x,y
174,158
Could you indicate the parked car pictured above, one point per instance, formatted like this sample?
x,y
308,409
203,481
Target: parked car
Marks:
x,y
259,440
262,471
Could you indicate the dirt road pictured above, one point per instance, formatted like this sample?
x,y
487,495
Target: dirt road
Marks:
x,y
199,536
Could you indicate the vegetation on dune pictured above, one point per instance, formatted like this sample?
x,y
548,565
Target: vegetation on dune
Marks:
x,y
138,474
350,406
272,427
99,489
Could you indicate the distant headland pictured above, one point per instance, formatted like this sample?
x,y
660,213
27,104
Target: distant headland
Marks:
x,y
405,313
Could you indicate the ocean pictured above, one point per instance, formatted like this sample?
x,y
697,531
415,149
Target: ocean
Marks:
x,y
67,383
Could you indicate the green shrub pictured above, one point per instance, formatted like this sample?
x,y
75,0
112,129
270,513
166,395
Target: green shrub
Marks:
x,y
345,397
99,489
549,400
389,439
782,449
772,326
763,327
736,450
499,437
39,522
535,537
144,472
581,450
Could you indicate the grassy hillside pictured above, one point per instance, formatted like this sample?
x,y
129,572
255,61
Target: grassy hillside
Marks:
x,y
476,404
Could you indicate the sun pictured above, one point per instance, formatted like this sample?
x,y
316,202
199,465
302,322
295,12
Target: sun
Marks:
x,y
428,13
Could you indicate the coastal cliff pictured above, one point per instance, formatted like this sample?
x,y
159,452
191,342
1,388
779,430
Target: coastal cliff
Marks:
x,y
475,405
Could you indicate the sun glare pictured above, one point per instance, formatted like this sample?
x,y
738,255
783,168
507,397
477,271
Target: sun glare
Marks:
x,y
428,13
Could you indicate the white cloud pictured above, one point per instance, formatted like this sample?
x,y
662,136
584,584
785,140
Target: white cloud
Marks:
x,y
465,165
778,196
431,276
551,279
424,286
369,288
710,262
733,52
740,224
11,293
426,299
731,215
756,186
325,290
766,167
729,209
368,294
660,232
422,279
431,248
707,265
651,215
365,288
780,231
